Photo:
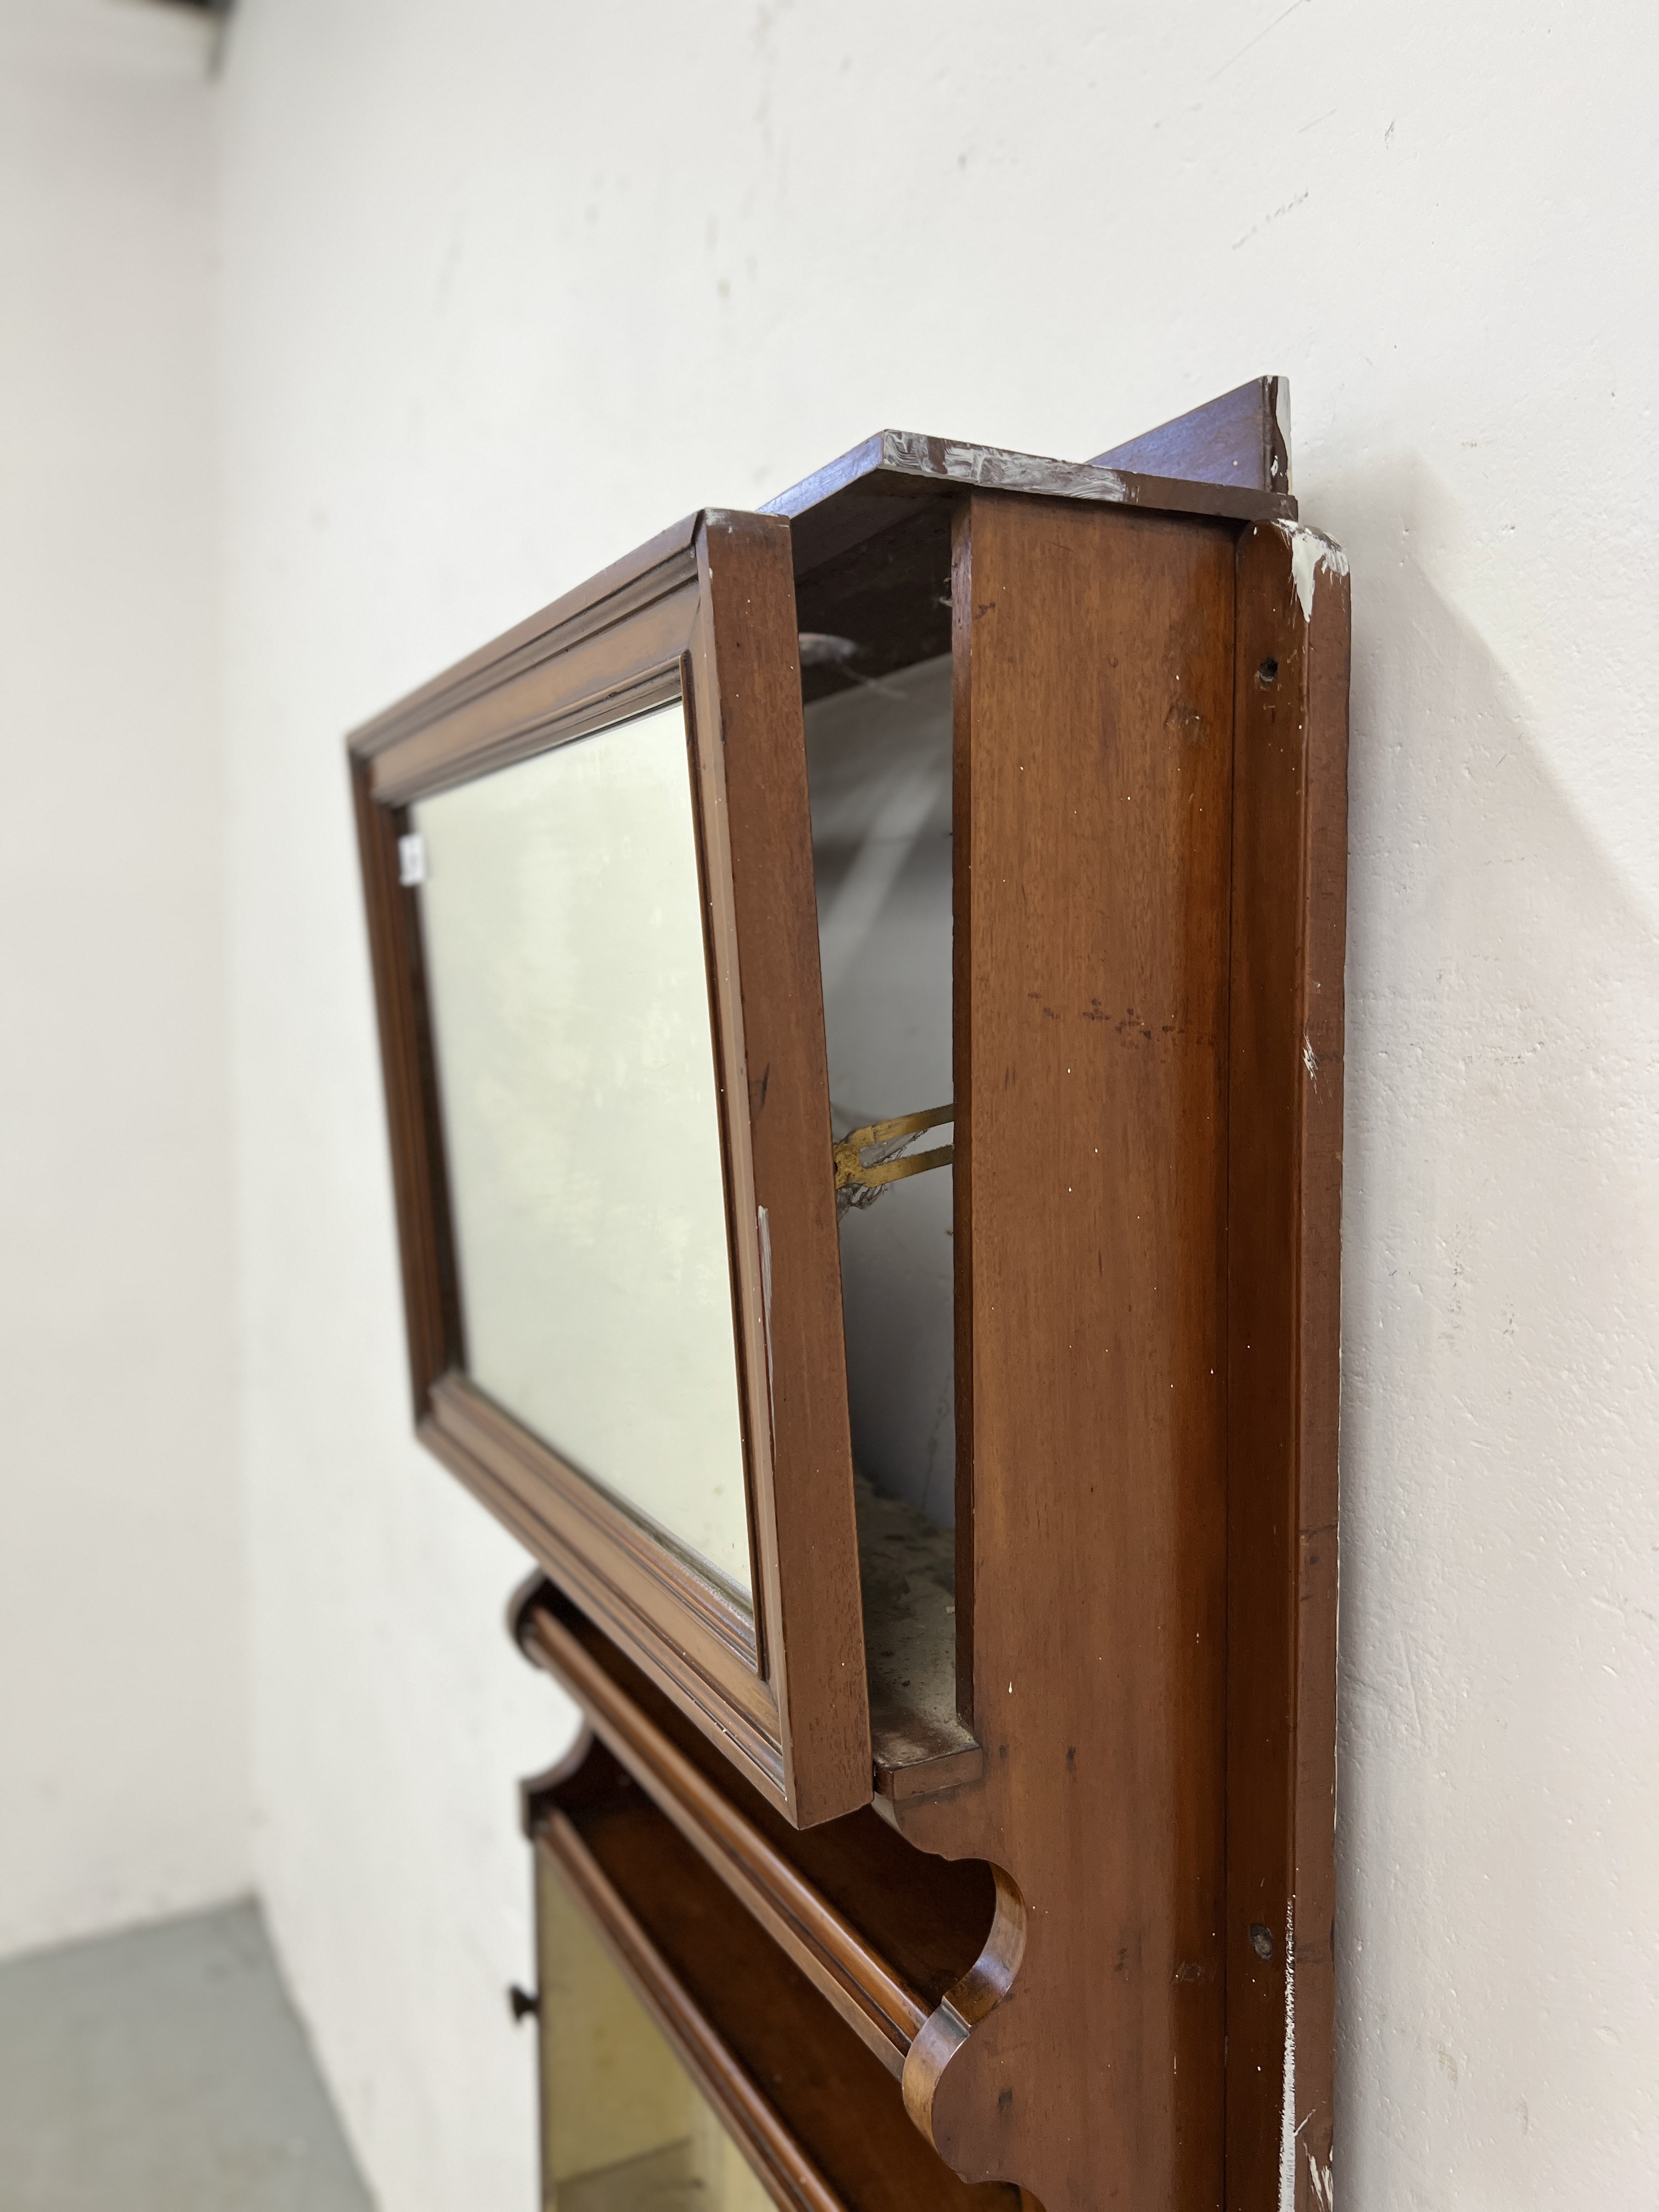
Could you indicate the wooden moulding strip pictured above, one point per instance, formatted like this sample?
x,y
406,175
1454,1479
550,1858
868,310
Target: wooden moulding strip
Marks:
x,y
602,676
580,1517
608,599
670,1665
874,2001
792,2178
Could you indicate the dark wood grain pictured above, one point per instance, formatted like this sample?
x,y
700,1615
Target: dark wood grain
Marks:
x,y
759,870
1241,438
786,2167
601,677
1095,674
887,593
876,2001
425,1254
1287,1083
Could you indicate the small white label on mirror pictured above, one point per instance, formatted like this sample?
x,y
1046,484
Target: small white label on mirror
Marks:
x,y
412,859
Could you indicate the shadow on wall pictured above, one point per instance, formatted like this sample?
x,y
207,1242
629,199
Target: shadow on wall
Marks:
x,y
1498,1412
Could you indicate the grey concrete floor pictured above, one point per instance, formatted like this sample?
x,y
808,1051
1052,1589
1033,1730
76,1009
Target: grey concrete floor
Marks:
x,y
164,2070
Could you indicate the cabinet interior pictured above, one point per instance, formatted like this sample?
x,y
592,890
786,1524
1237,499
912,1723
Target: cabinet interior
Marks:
x,y
877,683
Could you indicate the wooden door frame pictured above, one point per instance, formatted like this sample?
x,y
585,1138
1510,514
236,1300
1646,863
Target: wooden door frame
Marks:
x,y
706,613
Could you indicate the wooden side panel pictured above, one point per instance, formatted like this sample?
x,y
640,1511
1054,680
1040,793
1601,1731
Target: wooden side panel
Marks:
x,y
1290,884
1094,765
412,1125
813,1651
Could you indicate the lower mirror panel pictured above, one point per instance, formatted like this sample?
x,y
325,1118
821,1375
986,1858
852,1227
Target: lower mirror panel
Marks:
x,y
624,2125
700,2061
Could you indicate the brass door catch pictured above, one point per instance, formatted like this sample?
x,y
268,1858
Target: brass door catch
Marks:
x,y
859,1182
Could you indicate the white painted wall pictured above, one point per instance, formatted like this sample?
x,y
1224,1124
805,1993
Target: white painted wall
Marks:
x,y
122,1787
508,287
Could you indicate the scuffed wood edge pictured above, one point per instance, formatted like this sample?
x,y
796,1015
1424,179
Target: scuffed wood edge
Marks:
x,y
898,460
1286,1139
1327,684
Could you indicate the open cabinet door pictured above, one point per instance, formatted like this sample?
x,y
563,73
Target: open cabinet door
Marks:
x,y
587,860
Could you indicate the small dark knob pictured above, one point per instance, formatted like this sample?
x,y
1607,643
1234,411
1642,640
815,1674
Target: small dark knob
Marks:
x,y
525,2005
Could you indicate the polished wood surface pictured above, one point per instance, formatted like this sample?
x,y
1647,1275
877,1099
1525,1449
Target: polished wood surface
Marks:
x,y
1095,676
791,2175
759,858
705,612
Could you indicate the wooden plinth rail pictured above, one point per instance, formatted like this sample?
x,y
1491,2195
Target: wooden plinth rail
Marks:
x,y
814,2109
909,2029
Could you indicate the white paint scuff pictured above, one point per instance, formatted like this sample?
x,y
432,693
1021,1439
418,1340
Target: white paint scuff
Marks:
x,y
999,470
1287,2109
1310,551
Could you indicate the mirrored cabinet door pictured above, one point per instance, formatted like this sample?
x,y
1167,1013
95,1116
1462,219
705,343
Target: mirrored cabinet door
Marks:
x,y
588,859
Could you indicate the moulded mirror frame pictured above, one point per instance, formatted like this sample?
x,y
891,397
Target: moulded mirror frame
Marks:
x,y
705,613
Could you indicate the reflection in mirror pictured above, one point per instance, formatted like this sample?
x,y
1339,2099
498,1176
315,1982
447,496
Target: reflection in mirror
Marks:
x,y
879,759
624,2128
568,983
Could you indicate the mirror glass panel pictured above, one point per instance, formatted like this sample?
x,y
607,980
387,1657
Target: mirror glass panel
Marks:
x,y
624,2128
567,983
